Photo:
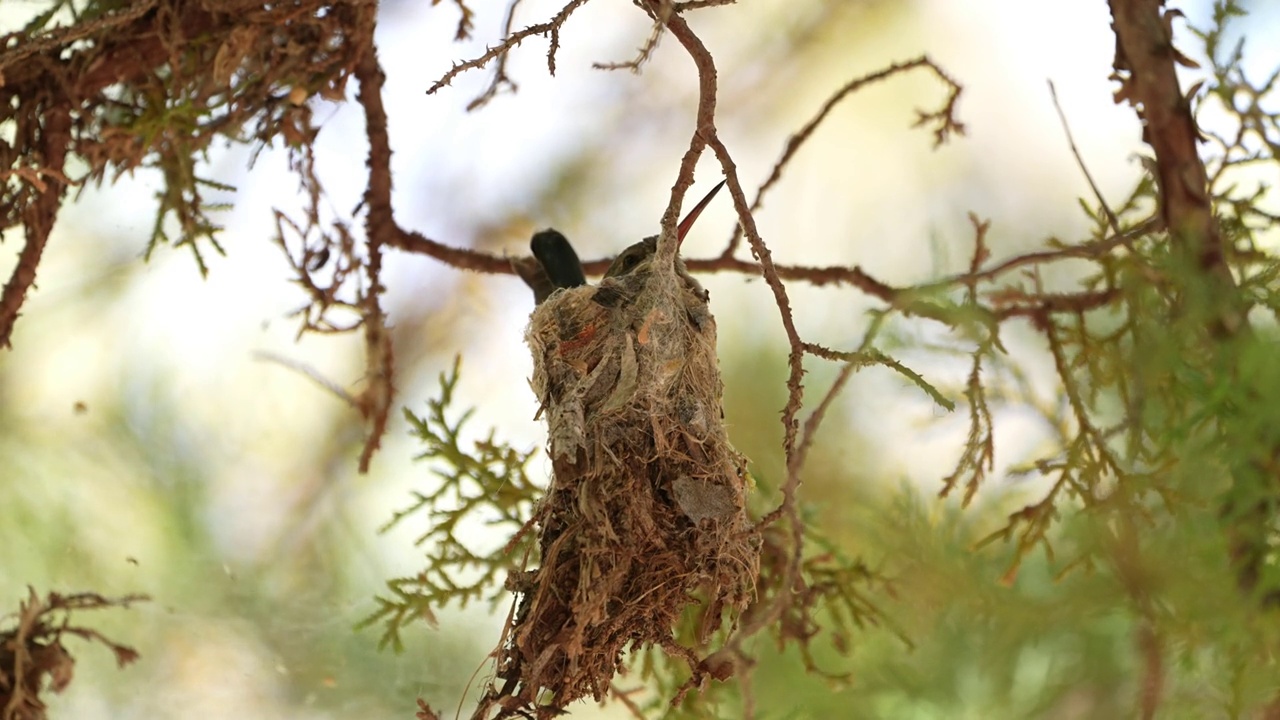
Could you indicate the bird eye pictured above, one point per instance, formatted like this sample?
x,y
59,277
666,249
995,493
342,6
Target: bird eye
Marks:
x,y
629,260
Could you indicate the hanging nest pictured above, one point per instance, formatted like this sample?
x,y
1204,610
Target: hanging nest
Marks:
x,y
645,513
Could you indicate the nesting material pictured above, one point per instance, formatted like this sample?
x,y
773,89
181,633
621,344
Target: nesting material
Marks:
x,y
644,517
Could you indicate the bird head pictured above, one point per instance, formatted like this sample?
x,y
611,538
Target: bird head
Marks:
x,y
638,255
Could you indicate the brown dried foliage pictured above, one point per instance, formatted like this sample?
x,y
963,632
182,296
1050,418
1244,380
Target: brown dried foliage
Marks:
x,y
31,652
154,85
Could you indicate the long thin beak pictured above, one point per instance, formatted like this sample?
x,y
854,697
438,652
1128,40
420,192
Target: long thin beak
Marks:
x,y
687,222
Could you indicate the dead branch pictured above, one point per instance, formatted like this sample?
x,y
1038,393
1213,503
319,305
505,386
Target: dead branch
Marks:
x,y
551,28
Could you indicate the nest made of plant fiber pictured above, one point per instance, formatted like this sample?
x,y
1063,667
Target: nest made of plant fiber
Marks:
x,y
645,514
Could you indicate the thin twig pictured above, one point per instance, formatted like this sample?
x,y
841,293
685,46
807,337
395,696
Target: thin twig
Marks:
x,y
624,696
551,28
310,373
1112,220
946,115
63,36
642,55
500,78
1093,249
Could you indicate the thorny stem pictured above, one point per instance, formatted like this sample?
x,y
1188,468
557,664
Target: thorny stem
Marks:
x,y
500,78
550,28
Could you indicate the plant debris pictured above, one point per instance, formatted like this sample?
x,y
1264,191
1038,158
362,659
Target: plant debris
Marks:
x,y
32,649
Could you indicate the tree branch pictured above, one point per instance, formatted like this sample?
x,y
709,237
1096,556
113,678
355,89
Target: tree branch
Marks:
x,y
381,229
51,132
1145,65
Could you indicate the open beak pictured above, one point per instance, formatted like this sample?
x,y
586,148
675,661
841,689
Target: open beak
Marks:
x,y
687,222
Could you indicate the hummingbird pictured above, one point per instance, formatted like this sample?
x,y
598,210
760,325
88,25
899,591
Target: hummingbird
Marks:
x,y
638,254
555,264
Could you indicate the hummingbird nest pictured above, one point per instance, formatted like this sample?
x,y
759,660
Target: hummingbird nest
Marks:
x,y
644,516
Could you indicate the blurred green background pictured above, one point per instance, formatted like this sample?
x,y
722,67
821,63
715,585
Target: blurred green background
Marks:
x,y
144,447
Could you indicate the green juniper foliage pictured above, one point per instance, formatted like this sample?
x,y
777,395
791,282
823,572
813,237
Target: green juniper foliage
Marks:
x,y
485,484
